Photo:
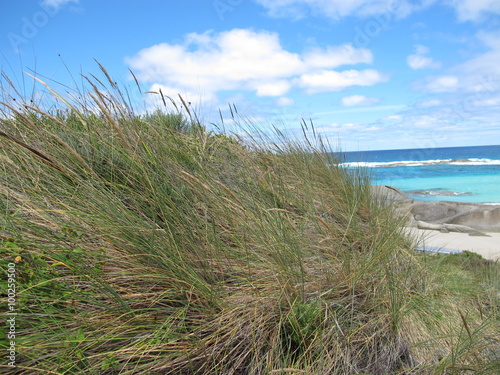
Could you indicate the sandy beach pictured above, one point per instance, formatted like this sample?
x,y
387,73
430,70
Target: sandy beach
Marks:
x,y
487,247
448,225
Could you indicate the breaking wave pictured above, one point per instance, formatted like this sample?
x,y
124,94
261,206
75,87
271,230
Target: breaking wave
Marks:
x,y
419,163
437,193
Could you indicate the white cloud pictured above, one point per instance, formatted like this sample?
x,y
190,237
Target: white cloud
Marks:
x,y
480,74
488,102
154,98
420,61
425,121
223,61
354,100
447,83
285,102
421,50
466,10
456,119
484,69
393,118
276,88
330,80
247,60
57,3
337,9
334,57
337,128
473,10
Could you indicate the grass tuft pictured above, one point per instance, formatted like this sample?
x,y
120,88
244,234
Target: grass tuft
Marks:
x,y
147,244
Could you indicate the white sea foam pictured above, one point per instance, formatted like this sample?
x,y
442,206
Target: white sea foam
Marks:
x,y
474,161
438,193
419,163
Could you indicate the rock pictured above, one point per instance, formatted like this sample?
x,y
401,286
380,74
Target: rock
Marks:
x,y
424,225
432,211
446,228
483,218
458,228
389,194
475,217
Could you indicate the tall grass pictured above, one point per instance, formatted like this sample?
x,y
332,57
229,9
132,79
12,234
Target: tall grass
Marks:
x,y
150,245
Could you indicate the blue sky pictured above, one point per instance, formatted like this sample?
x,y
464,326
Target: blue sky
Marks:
x,y
372,74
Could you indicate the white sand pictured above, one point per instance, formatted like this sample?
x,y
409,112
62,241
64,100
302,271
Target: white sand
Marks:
x,y
488,247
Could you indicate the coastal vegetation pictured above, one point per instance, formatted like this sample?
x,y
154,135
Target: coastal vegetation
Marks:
x,y
149,244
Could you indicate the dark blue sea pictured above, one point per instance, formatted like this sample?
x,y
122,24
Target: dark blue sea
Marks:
x,y
462,174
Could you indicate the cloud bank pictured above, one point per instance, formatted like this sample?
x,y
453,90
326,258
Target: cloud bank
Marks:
x,y
466,10
255,61
337,9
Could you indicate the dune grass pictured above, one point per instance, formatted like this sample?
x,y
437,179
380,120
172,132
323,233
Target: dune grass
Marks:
x,y
151,245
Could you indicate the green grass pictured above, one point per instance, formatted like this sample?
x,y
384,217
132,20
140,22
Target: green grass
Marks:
x,y
150,245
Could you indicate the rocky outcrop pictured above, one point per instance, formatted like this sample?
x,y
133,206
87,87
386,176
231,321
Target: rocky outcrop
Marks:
x,y
486,219
441,211
443,215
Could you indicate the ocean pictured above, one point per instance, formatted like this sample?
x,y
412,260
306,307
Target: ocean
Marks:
x,y
461,174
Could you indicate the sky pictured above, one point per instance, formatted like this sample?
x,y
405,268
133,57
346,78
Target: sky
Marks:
x,y
369,74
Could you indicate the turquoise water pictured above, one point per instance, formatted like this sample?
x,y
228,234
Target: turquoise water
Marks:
x,y
461,174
